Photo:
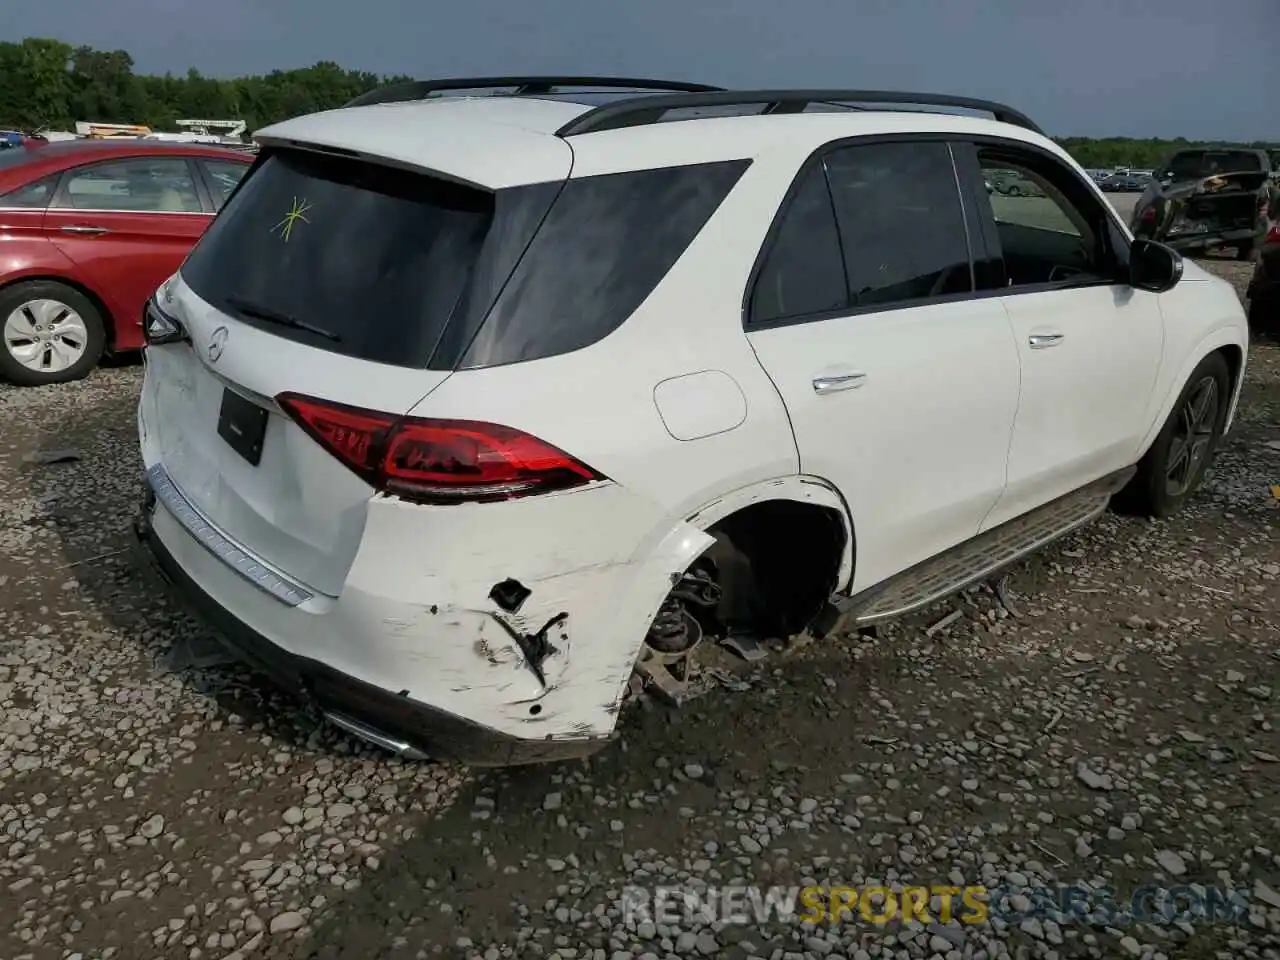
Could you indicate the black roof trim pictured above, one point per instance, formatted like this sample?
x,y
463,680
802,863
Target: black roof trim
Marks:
x,y
525,86
638,111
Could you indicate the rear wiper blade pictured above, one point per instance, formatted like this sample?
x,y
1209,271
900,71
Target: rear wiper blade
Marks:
x,y
282,319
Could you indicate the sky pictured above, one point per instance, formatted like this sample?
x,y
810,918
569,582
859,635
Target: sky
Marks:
x,y
1141,68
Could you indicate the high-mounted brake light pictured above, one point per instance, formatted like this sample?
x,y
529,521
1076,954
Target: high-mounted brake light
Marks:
x,y
437,461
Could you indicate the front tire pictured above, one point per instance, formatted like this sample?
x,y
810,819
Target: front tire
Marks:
x,y
49,333
1173,467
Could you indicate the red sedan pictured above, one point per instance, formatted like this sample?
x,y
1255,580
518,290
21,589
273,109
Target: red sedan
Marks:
x,y
88,230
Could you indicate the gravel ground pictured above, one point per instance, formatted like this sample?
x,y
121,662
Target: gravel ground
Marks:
x,y
1116,727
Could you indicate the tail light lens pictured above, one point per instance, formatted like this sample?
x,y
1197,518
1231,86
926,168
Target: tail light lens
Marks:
x,y
1148,215
159,328
1273,232
437,461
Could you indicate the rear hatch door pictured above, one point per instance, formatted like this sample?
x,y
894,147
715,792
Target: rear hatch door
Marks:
x,y
1211,191
332,278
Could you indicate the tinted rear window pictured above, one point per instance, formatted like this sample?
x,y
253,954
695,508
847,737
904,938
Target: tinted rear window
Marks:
x,y
605,245
1199,164
377,258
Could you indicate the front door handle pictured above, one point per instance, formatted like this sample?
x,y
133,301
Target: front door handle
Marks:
x,y
1039,341
89,231
834,384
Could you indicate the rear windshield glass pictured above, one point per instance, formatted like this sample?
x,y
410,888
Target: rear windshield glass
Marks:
x,y
340,254
1200,164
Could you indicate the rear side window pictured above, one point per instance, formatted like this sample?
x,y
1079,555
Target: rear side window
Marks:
x,y
901,222
606,243
873,225
31,196
136,185
348,256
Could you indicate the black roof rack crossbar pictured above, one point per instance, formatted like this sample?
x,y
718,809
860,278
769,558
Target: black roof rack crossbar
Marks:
x,y
528,86
637,111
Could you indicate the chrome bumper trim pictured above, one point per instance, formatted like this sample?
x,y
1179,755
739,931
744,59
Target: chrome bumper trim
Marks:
x,y
252,569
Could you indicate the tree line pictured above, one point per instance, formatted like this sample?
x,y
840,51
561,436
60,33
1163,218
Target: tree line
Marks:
x,y
51,84
48,83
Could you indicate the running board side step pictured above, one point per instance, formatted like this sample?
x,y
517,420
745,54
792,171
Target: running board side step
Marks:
x,y
978,559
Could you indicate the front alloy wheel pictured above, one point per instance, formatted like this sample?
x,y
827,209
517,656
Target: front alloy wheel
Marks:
x,y
1176,461
1193,434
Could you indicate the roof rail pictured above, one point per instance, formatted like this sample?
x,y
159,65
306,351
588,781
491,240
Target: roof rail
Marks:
x,y
638,111
421,89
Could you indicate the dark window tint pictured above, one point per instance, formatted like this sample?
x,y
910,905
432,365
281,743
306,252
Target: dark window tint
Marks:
x,y
605,244
33,196
901,222
223,175
802,272
376,258
141,185
1197,164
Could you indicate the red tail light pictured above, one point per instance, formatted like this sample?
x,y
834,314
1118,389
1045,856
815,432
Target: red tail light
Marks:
x,y
1148,215
437,461
1273,234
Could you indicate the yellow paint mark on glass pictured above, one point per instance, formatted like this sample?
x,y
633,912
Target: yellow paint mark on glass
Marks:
x,y
296,213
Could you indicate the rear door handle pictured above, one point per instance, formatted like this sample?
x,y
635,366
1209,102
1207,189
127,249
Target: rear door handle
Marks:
x,y
834,384
1039,341
89,231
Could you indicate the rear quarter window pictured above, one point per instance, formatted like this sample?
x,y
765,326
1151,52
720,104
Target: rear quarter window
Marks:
x,y
606,243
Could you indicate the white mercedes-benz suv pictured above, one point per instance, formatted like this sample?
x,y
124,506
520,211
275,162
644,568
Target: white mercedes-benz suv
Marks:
x,y
470,415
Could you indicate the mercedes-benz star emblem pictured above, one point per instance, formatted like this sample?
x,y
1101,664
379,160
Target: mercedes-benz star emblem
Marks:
x,y
217,343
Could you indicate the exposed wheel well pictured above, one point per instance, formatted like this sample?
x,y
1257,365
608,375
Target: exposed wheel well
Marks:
x,y
108,322
778,563
1235,362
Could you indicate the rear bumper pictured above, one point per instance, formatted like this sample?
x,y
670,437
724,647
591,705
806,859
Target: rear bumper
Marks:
x,y
395,722
1207,241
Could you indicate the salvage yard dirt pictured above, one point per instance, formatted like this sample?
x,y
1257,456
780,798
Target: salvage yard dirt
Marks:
x,y
1114,724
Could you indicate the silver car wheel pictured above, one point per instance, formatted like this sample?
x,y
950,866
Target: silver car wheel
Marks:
x,y
45,336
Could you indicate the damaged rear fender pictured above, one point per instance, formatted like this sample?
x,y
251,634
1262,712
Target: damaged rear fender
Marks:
x,y
797,488
688,539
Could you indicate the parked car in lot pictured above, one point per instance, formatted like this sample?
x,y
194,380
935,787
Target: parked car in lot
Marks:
x,y
1205,199
1010,184
465,419
88,230
1125,183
